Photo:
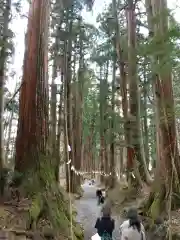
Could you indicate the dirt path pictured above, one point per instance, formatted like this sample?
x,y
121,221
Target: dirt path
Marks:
x,y
88,211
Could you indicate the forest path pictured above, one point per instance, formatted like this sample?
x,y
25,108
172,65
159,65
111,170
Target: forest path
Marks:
x,y
88,211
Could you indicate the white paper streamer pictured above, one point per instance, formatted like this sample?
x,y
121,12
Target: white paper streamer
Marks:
x,y
81,173
68,162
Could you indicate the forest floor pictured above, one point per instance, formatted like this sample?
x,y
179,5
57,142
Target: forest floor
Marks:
x,y
17,221
13,222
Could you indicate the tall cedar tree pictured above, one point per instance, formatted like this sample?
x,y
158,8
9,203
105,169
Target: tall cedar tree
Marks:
x,y
33,107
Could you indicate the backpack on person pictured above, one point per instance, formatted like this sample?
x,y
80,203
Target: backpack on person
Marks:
x,y
106,236
105,227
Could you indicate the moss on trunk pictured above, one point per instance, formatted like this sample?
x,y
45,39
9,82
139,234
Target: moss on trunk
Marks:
x,y
49,202
158,201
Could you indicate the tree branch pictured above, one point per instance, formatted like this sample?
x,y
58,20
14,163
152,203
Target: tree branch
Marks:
x,y
14,95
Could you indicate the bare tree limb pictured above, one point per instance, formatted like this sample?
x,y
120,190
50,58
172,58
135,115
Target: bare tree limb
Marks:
x,y
14,95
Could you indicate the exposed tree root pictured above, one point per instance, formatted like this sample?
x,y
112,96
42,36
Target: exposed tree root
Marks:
x,y
155,204
49,202
158,202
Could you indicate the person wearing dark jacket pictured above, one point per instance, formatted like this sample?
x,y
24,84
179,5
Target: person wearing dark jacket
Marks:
x,y
98,192
100,196
105,225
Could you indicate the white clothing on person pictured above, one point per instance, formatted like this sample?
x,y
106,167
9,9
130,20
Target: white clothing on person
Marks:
x,y
131,233
104,194
96,237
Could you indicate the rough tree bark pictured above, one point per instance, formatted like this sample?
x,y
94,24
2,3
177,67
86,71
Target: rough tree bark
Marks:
x,y
134,99
168,167
153,63
33,107
123,89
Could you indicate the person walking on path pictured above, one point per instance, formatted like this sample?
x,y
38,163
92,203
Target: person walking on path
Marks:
x,y
99,195
132,228
105,225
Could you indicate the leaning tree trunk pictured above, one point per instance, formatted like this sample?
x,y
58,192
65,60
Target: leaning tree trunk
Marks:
x,y
33,107
167,178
